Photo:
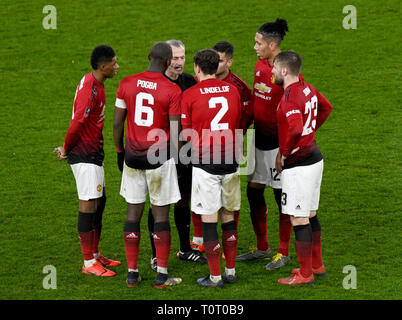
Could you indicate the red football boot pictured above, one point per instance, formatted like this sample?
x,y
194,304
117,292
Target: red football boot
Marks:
x,y
296,279
98,270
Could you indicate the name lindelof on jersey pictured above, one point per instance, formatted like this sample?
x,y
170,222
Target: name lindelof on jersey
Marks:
x,y
214,89
147,84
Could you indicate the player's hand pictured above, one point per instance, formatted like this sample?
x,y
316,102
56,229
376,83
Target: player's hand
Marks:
x,y
283,158
120,160
61,153
278,162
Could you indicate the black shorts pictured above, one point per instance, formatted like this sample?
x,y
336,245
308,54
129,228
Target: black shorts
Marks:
x,y
184,176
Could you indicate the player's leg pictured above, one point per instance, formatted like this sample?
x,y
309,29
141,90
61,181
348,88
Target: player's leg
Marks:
x,y
89,181
132,237
134,190
198,242
86,212
317,264
298,188
151,223
182,217
98,216
285,231
303,244
318,267
257,180
258,215
206,201
212,251
163,191
229,243
231,200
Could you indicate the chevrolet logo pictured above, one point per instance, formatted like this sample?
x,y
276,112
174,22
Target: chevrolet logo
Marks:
x,y
262,87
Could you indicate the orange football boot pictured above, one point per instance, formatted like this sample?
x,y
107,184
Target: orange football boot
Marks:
x,y
98,270
106,262
198,247
320,272
296,279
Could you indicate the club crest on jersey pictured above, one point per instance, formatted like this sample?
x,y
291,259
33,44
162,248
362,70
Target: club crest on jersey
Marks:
x,y
306,91
99,188
87,111
262,87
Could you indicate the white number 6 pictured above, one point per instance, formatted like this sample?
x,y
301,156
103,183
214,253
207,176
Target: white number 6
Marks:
x,y
140,109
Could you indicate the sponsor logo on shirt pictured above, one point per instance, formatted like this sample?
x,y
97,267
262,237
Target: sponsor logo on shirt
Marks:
x,y
289,113
262,87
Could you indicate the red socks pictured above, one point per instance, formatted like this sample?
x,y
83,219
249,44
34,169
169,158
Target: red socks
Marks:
x,y
317,252
162,241
285,232
86,239
197,224
212,251
229,243
86,234
259,221
132,237
303,245
212,247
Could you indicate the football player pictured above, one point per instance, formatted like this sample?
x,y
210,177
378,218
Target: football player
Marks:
x,y
261,164
301,111
182,216
211,112
151,104
83,149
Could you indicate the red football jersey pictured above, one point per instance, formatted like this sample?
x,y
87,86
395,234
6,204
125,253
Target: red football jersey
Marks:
x,y
89,114
242,87
212,108
265,98
149,98
302,110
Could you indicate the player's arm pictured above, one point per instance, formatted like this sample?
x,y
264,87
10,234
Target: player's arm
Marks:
x,y
247,115
324,109
120,113
294,121
174,121
83,103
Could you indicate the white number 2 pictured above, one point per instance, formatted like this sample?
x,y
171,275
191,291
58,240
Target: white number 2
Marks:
x,y
310,107
140,109
215,125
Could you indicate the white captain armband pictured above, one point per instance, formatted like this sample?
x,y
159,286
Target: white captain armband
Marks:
x,y
120,104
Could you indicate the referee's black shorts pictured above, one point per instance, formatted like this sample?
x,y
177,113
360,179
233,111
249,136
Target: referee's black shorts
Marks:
x,y
184,176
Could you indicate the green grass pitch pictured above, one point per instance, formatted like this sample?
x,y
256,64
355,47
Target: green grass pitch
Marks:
x,y
358,70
